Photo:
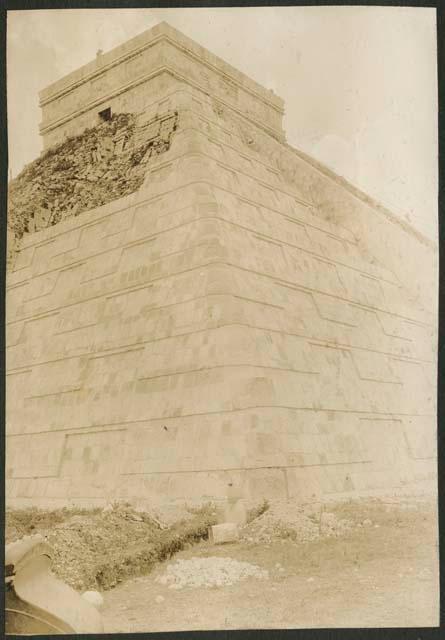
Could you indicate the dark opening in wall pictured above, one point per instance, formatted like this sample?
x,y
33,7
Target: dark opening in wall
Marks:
x,y
105,115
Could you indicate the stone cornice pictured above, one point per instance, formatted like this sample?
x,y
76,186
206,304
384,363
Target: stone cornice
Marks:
x,y
364,198
240,80
140,80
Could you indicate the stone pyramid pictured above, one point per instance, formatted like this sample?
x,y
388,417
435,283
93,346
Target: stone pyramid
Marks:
x,y
243,322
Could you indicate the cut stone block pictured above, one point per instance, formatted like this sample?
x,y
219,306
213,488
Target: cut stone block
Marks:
x,y
222,533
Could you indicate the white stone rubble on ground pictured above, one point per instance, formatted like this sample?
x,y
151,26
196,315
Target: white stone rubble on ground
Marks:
x,y
301,523
209,572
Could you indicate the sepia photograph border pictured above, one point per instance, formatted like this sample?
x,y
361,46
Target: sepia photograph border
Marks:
x,y
282,634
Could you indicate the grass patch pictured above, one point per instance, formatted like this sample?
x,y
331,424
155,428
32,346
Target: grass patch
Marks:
x,y
25,522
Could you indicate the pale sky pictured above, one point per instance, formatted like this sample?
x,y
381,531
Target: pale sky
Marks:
x,y
359,83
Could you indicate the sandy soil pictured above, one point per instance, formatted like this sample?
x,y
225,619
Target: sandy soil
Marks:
x,y
374,576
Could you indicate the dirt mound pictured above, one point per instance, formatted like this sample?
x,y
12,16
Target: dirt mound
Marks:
x,y
24,522
301,523
96,549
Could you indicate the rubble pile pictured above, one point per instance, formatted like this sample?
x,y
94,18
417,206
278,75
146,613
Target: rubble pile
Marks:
x,y
209,572
98,548
301,523
102,164
82,542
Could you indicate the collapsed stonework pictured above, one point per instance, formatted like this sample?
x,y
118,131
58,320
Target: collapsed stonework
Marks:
x,y
229,318
88,170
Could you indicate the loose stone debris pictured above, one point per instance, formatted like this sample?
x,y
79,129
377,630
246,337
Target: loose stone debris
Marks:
x,y
99,548
300,523
209,572
101,164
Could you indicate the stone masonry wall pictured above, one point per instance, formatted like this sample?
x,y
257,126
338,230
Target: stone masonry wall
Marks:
x,y
135,74
210,329
238,317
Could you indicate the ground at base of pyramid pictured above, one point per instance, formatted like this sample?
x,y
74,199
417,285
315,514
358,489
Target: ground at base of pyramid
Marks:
x,y
353,563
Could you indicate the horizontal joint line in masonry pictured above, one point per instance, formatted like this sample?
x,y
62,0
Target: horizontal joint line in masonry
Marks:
x,y
84,354
282,467
222,263
128,423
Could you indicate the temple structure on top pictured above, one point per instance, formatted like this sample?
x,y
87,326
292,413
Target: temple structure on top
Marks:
x,y
231,313
134,75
